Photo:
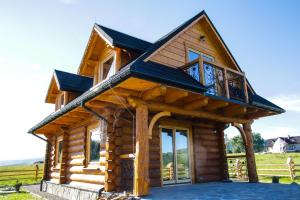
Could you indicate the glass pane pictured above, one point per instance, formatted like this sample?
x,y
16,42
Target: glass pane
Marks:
x,y
193,71
209,77
60,143
207,58
182,154
193,55
167,155
95,145
107,68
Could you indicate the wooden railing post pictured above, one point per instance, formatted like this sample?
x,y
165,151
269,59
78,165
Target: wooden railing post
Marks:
x,y
245,88
291,166
201,71
226,83
36,171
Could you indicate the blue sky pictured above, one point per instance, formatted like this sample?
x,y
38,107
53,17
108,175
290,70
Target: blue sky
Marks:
x,y
38,36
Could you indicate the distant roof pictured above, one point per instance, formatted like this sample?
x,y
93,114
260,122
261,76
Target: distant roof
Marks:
x,y
123,40
72,82
288,140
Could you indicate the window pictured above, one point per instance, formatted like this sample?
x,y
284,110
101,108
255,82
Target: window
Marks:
x,y
107,68
94,145
96,139
60,101
59,145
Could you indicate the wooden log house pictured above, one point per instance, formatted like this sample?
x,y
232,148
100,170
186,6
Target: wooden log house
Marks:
x,y
140,114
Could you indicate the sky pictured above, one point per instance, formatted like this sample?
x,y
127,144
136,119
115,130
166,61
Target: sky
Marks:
x,y
37,37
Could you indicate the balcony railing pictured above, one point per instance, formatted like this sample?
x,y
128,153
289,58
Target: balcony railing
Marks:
x,y
220,81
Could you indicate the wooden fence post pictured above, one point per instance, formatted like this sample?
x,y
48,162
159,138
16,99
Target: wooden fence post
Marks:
x,y
291,166
238,168
36,171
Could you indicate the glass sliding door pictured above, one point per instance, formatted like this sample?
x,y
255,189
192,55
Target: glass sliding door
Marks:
x,y
167,138
175,156
182,156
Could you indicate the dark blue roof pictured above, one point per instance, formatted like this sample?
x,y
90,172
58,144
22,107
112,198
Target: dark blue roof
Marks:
x,y
123,40
258,101
72,82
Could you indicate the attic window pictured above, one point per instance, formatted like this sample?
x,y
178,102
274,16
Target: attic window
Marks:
x,y
107,68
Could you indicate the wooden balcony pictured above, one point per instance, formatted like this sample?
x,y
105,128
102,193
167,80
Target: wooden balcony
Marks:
x,y
219,80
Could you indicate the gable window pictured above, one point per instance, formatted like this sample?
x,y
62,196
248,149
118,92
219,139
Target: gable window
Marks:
x,y
107,68
58,156
95,142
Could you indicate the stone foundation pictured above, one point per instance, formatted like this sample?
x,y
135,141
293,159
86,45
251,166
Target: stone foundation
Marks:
x,y
69,192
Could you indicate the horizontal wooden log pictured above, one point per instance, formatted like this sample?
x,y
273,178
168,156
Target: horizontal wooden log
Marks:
x,y
96,179
155,106
78,148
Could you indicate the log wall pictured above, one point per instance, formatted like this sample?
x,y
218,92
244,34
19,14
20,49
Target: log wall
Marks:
x,y
207,154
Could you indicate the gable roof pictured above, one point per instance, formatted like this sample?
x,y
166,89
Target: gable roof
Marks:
x,y
123,40
72,82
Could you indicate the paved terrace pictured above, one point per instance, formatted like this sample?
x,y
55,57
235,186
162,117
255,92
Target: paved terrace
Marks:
x,y
227,191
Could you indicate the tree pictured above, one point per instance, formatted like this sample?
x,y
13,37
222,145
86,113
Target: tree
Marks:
x,y
258,142
237,144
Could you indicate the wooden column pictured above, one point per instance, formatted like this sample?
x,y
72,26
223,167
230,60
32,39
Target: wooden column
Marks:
x,y
63,165
251,165
141,162
222,147
47,160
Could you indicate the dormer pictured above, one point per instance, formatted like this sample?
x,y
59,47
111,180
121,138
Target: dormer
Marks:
x,y
64,87
107,51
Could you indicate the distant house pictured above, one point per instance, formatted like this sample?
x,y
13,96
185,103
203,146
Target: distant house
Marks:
x,y
283,144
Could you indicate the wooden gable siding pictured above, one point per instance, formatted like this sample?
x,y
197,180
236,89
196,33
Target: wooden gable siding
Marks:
x,y
173,54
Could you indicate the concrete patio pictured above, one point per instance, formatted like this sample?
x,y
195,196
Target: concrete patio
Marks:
x,y
224,191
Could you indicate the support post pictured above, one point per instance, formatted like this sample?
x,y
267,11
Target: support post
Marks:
x,y
222,147
141,162
251,165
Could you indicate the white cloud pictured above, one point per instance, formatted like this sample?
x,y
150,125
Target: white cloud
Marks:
x,y
289,102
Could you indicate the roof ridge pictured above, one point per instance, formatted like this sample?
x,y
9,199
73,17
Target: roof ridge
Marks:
x,y
105,27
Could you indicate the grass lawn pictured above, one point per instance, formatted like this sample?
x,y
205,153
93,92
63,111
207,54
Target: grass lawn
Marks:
x,y
26,177
276,158
23,195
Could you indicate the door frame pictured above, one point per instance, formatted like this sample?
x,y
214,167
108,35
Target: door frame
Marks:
x,y
190,152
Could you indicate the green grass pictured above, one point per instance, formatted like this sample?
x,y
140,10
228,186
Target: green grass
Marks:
x,y
276,159
18,196
29,175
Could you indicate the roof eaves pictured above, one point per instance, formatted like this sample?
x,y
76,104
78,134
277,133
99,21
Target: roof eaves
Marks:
x,y
104,35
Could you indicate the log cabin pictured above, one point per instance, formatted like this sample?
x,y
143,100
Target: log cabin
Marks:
x,y
139,115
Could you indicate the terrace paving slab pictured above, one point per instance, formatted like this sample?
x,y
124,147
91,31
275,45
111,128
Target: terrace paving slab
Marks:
x,y
226,191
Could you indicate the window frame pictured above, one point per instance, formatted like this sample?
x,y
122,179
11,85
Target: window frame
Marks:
x,y
100,74
200,53
88,163
58,159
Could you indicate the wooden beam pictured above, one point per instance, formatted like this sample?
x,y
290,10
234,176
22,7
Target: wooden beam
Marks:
x,y
213,105
118,100
173,95
154,92
99,104
262,113
124,92
196,104
155,106
154,119
234,110
141,162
